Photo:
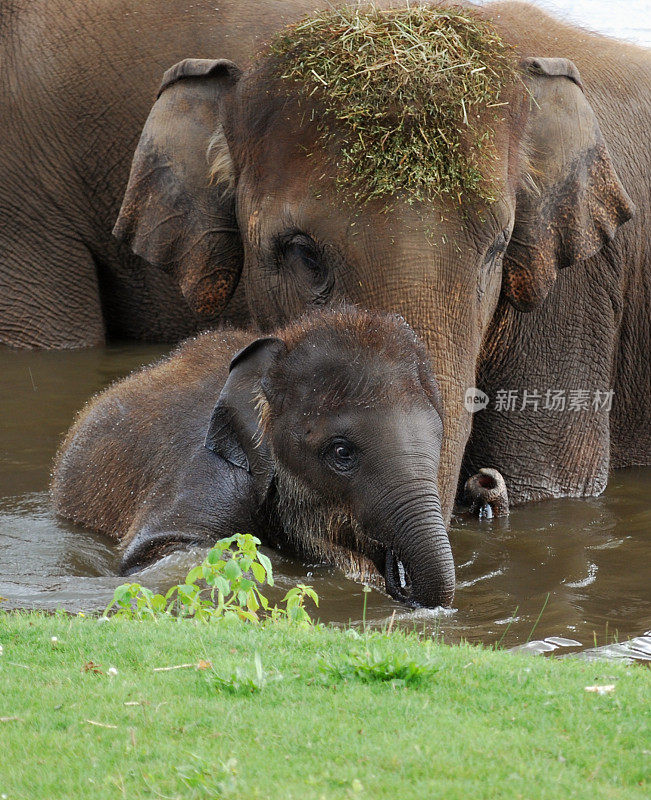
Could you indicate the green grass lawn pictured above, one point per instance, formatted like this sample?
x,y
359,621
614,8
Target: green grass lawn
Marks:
x,y
479,724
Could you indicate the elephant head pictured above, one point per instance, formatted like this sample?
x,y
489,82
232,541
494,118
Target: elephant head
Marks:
x,y
232,182
340,415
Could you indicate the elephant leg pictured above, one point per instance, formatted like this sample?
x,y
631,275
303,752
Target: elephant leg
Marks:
x,y
144,303
630,420
547,449
49,294
203,502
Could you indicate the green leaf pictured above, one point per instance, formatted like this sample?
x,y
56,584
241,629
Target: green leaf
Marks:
x,y
124,593
245,563
250,616
188,593
264,560
194,574
232,570
291,597
170,592
158,603
259,572
222,585
215,554
309,591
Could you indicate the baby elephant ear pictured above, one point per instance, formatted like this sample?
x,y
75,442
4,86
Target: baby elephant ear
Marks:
x,y
234,431
569,199
178,211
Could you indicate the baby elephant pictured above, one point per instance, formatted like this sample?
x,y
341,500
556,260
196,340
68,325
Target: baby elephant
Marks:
x,y
322,439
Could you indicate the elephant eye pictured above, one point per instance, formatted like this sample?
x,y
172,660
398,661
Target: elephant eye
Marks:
x,y
341,455
303,262
498,247
300,250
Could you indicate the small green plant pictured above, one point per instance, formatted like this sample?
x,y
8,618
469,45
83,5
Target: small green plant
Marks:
x,y
244,682
535,625
372,664
366,591
508,628
136,602
294,602
226,585
204,780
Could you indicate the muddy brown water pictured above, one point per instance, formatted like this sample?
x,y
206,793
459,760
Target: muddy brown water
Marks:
x,y
582,563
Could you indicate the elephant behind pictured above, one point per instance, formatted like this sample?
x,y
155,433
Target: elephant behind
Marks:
x,y
544,287
322,439
76,86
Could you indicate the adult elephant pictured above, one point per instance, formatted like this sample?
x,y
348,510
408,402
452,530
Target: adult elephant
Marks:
x,y
535,291
76,84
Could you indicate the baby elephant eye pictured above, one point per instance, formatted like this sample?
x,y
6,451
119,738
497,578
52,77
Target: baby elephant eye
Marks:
x,y
341,455
343,452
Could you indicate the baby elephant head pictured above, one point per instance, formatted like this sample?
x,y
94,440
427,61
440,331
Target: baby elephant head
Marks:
x,y
338,420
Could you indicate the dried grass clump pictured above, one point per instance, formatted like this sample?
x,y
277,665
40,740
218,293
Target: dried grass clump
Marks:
x,y
403,88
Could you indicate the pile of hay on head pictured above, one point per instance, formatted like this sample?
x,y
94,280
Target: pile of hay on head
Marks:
x,y
401,90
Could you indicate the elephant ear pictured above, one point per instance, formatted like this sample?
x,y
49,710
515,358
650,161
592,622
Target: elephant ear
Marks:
x,y
569,202
174,214
234,431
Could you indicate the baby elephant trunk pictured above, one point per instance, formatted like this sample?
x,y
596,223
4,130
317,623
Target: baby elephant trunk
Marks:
x,y
419,569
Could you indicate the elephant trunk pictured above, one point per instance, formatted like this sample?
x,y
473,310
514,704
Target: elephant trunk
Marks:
x,y
148,546
487,494
419,568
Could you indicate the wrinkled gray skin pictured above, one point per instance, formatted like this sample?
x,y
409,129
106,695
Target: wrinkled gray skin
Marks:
x,y
76,84
341,469
547,288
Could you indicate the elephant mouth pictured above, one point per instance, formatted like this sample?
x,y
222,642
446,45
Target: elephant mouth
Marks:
x,y
397,580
